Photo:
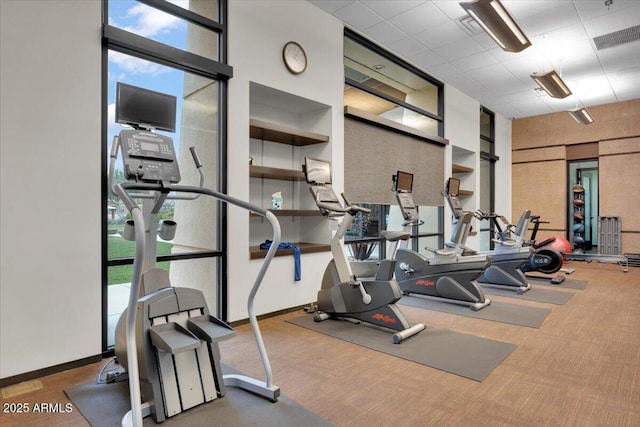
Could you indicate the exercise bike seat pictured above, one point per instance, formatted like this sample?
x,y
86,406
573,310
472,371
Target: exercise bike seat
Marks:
x,y
394,236
509,242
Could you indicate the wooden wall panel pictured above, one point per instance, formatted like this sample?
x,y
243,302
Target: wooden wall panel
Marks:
x,y
541,187
619,146
612,121
630,243
620,194
588,150
538,154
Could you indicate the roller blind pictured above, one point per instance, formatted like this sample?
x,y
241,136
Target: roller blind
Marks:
x,y
374,152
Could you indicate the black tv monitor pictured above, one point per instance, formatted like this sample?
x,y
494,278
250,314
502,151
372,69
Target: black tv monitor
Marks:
x,y
317,171
144,108
404,182
453,187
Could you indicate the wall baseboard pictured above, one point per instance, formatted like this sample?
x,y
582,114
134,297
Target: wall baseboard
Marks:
x,y
4,382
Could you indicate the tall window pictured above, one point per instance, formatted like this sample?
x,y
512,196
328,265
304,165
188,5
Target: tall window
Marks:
x,y
487,176
380,84
176,48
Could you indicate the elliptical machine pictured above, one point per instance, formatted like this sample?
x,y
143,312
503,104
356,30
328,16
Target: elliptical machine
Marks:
x,y
509,256
342,295
167,339
446,275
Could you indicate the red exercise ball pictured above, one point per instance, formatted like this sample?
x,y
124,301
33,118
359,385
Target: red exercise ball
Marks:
x,y
561,245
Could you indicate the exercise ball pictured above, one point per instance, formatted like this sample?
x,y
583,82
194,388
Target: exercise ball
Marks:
x,y
561,245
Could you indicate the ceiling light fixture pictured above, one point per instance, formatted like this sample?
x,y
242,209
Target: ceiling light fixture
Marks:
x,y
552,83
499,25
581,115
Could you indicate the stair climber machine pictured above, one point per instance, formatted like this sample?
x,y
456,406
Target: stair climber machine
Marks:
x,y
342,295
509,257
443,276
167,339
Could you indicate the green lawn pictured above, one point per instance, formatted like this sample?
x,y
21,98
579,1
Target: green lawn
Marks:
x,y
117,247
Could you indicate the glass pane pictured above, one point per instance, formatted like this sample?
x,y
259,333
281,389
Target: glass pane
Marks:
x,y
146,21
485,125
364,101
200,273
364,227
383,75
486,188
197,121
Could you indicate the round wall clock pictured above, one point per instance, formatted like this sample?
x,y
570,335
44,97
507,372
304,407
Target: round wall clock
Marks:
x,y
295,59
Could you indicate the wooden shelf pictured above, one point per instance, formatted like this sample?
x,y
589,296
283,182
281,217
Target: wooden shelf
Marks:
x,y
285,135
460,169
292,212
267,172
305,248
465,193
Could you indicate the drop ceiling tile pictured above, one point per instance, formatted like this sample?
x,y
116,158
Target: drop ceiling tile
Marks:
x,y
331,5
419,18
407,47
619,58
613,21
589,9
440,35
461,82
441,71
388,9
428,59
490,71
472,62
385,33
459,49
503,86
549,16
450,8
358,16
532,107
626,88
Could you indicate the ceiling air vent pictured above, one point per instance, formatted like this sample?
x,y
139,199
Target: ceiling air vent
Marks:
x,y
469,25
617,38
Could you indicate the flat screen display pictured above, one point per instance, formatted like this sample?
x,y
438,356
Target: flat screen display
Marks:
x,y
317,171
143,108
453,187
404,182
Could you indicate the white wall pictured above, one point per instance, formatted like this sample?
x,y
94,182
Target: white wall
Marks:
x,y
50,180
257,32
503,167
462,129
50,111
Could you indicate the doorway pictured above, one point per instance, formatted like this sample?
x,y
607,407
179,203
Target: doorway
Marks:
x,y
583,206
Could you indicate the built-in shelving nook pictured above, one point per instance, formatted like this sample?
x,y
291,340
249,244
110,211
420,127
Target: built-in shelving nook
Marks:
x,y
283,129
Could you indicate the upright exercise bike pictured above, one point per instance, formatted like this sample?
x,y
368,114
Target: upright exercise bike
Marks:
x,y
509,255
167,339
342,295
444,276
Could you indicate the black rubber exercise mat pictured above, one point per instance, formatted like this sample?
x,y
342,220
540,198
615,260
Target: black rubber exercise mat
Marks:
x,y
465,355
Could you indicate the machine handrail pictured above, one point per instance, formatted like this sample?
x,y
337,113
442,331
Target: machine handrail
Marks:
x,y
132,358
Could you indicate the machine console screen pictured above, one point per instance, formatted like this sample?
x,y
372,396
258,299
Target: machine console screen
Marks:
x,y
149,157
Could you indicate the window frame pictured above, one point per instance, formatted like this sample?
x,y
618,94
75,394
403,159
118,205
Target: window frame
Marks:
x,y
125,42
439,118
